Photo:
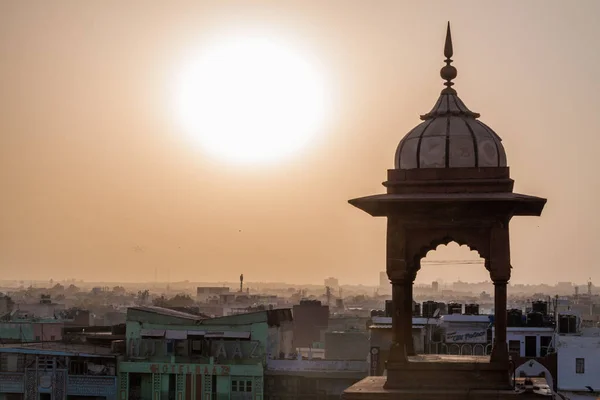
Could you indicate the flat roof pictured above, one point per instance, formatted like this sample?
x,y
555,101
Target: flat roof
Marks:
x,y
58,348
167,312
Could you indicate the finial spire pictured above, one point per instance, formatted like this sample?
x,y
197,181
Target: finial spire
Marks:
x,y
448,72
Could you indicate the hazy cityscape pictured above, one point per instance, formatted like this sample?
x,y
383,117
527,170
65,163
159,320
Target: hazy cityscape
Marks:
x,y
299,200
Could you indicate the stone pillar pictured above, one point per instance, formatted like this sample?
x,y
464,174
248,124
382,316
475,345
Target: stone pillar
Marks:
x,y
407,322
397,273
499,264
398,351
500,349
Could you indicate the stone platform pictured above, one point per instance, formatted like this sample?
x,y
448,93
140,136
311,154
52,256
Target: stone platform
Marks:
x,y
372,388
448,371
435,377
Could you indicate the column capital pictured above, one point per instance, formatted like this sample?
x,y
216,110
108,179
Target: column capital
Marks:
x,y
399,277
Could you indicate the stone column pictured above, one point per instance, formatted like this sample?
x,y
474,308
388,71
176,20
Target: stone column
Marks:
x,y
500,349
398,351
500,273
407,322
397,273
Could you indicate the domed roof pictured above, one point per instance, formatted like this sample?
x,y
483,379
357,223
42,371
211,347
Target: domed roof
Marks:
x,y
450,136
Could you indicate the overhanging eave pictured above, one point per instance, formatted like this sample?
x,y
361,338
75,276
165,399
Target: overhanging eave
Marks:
x,y
382,205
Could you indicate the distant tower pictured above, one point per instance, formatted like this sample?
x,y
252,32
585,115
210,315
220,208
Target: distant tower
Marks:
x,y
576,293
241,283
328,294
590,287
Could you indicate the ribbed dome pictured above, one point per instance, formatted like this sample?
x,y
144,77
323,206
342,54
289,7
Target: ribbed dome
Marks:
x,y
450,135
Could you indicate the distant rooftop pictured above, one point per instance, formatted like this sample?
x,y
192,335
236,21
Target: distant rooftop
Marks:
x,y
57,347
168,312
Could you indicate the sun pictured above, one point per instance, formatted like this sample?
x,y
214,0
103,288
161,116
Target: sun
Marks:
x,y
251,99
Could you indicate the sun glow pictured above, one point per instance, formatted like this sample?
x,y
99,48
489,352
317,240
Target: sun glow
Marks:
x,y
250,99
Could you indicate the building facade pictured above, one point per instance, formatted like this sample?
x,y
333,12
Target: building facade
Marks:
x,y
53,371
176,355
579,363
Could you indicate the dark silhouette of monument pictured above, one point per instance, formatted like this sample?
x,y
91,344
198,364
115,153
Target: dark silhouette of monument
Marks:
x,y
450,183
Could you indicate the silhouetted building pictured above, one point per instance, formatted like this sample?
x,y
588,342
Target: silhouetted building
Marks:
x,y
450,182
310,319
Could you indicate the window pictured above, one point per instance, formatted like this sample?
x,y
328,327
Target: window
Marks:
x,y
241,386
196,347
580,365
170,347
37,338
514,346
53,338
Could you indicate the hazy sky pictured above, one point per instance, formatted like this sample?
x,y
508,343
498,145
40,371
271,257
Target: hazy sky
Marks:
x,y
99,183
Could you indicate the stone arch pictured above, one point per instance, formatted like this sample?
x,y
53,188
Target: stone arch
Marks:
x,y
423,241
533,368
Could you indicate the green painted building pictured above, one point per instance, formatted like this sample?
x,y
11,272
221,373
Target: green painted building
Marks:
x,y
175,355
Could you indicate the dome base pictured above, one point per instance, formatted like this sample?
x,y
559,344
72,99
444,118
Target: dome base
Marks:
x,y
449,180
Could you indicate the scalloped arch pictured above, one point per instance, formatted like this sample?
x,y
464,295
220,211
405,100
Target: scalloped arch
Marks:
x,y
475,241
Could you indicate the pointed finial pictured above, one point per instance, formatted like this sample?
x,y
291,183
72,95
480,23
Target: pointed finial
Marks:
x,y
448,72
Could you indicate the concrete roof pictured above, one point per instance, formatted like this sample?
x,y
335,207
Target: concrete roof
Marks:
x,y
58,348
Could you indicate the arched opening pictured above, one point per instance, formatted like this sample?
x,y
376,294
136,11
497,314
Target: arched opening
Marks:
x,y
452,266
456,276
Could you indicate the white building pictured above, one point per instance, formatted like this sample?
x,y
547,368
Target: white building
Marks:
x,y
579,364
528,341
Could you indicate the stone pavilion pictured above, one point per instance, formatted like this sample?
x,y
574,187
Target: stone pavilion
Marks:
x,y
450,182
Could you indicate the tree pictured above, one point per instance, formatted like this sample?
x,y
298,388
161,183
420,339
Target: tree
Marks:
x,y
58,288
180,300
143,296
118,290
161,301
72,289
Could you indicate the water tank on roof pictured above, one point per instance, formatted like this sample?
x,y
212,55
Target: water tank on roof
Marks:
x,y
389,308
471,309
442,307
454,308
567,324
310,302
514,317
416,310
572,324
540,307
429,308
535,319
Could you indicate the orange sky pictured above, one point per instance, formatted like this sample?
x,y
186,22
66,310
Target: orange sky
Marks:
x,y
98,183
